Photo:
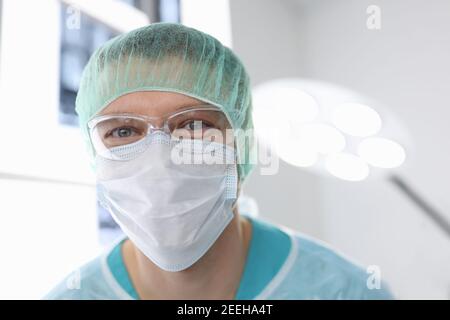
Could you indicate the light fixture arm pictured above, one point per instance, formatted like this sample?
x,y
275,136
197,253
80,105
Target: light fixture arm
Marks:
x,y
437,217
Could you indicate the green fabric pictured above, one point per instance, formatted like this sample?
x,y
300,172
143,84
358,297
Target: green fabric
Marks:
x,y
170,57
268,250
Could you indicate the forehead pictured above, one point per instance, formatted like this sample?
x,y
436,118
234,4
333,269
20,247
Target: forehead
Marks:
x,y
150,103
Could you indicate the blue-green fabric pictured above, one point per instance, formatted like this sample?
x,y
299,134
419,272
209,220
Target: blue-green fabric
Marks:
x,y
281,264
119,270
268,249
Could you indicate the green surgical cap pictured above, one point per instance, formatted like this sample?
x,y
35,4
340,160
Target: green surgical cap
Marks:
x,y
174,58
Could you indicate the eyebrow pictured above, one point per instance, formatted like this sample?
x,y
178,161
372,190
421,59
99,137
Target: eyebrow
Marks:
x,y
188,106
180,108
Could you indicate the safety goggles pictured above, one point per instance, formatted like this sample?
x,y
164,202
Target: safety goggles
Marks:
x,y
117,131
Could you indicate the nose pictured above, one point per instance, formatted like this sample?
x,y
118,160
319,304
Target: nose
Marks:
x,y
159,125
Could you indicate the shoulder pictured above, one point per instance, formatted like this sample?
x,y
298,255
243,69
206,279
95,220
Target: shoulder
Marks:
x,y
89,282
314,270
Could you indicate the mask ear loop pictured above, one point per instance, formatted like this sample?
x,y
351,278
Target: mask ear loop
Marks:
x,y
236,173
232,179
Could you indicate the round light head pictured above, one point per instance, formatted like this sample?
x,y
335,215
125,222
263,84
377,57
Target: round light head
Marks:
x,y
381,152
356,119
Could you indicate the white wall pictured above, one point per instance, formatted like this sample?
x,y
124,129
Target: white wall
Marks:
x,y
404,65
265,37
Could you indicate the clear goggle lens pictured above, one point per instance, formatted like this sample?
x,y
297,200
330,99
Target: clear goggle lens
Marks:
x,y
113,132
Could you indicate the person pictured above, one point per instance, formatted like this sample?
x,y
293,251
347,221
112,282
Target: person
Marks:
x,y
155,106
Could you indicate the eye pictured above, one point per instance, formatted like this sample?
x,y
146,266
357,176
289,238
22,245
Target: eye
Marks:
x,y
123,132
194,125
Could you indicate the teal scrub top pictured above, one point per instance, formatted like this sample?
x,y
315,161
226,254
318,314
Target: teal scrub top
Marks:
x,y
281,264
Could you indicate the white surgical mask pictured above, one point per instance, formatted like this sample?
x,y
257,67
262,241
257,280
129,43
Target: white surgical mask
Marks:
x,y
172,212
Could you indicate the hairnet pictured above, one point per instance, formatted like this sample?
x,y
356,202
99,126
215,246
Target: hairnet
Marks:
x,y
174,58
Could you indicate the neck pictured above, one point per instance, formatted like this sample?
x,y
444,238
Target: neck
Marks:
x,y
214,276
